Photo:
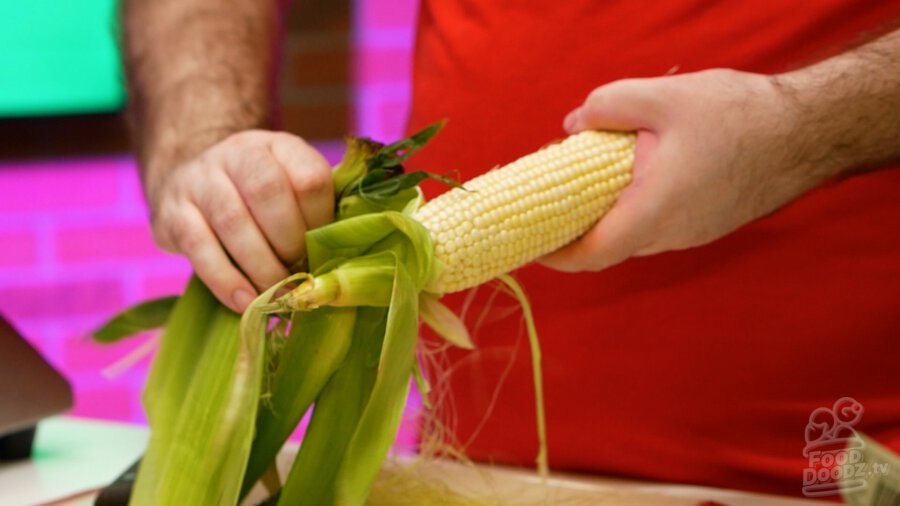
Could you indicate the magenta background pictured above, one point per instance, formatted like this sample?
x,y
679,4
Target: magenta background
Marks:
x,y
75,246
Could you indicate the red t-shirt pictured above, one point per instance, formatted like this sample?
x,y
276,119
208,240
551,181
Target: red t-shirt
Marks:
x,y
698,366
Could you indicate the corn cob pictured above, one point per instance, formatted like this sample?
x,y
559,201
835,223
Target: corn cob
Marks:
x,y
512,215
375,261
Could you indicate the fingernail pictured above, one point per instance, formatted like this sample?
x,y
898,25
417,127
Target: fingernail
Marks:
x,y
242,298
571,119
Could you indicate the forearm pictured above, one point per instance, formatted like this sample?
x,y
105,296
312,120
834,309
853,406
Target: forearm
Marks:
x,y
847,109
197,71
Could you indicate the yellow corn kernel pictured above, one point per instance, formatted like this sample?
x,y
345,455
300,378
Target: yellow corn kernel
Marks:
x,y
512,215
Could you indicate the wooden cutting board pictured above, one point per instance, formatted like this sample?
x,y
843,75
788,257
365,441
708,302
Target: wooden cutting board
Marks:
x,y
501,486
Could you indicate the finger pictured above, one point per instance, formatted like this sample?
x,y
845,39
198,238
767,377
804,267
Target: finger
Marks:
x,y
195,240
310,176
628,104
267,193
222,206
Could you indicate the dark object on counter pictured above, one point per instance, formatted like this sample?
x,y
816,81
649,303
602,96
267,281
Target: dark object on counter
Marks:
x,y
17,445
30,390
119,492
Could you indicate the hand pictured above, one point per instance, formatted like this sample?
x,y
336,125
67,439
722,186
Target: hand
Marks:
x,y
715,150
253,195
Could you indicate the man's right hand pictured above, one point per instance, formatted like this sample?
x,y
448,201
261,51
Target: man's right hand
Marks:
x,y
252,197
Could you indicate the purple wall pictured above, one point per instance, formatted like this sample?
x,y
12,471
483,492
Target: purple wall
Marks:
x,y
75,246
384,41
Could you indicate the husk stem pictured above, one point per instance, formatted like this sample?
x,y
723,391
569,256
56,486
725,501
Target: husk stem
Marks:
x,y
362,281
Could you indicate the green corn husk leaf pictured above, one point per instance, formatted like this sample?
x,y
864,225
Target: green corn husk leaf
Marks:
x,y
216,389
203,456
181,343
315,349
184,339
398,152
353,166
356,205
444,321
348,238
381,418
198,450
142,317
335,416
361,281
382,184
357,236
534,343
369,162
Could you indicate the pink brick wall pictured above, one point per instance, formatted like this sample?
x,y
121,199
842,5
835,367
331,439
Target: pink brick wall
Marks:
x,y
384,34
75,246
64,267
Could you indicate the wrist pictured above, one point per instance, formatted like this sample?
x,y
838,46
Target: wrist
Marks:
x,y
172,140
178,122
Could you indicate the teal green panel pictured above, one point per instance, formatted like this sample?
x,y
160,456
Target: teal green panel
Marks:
x,y
59,57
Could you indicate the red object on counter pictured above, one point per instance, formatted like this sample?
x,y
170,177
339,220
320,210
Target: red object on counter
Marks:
x,y
699,366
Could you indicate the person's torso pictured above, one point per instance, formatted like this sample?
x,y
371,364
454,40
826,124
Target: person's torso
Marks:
x,y
696,366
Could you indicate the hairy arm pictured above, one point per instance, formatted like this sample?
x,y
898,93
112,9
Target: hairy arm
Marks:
x,y
197,71
719,148
236,200
848,107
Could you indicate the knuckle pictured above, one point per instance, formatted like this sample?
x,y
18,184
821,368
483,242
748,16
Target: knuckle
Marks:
x,y
604,92
184,239
263,185
315,178
288,139
308,169
161,227
240,139
162,237
226,219
223,214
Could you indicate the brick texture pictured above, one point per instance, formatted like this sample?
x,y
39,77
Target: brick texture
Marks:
x,y
160,286
94,242
48,186
397,14
19,248
75,247
62,298
384,65
315,87
80,354
114,402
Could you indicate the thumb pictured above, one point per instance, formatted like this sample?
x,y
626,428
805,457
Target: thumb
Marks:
x,y
628,104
